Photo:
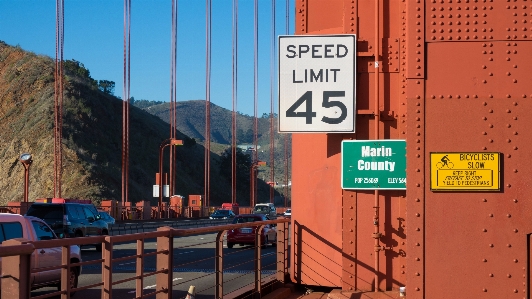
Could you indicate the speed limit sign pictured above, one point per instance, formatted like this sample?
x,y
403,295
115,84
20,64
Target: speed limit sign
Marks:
x,y
317,83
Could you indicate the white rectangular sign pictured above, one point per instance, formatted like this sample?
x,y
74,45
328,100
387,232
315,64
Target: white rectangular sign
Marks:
x,y
317,90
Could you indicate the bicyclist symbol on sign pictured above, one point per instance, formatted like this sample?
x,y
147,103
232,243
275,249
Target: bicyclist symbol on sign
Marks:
x,y
445,162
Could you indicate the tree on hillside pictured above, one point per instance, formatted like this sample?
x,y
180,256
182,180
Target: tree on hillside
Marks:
x,y
106,86
243,166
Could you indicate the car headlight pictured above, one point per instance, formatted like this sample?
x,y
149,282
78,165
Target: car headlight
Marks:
x,y
225,217
211,218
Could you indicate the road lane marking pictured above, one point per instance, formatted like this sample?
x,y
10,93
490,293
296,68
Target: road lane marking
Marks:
x,y
153,286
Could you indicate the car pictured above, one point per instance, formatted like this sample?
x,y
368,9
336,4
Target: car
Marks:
x,y
70,220
34,229
246,236
106,217
267,209
288,213
222,214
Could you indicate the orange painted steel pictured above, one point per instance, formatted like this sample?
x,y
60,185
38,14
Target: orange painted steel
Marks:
x,y
452,77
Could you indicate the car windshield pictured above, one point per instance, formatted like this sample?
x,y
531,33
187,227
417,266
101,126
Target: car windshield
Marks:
x,y
222,212
246,219
261,209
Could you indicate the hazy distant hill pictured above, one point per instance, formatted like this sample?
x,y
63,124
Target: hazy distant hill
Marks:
x,y
92,138
191,121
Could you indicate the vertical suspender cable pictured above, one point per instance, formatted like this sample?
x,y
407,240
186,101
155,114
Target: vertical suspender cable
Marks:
x,y
254,161
207,102
173,91
125,102
285,137
272,82
235,73
58,98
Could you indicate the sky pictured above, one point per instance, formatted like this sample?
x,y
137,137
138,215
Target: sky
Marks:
x,y
94,36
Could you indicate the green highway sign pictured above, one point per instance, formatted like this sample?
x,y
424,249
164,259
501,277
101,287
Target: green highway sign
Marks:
x,y
374,164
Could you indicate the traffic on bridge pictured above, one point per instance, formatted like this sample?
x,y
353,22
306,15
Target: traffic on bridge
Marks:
x,y
396,128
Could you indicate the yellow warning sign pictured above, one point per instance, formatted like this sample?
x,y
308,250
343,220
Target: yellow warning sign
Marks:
x,y
464,171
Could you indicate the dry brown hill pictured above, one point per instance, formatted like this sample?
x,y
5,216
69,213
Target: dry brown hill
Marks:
x,y
92,138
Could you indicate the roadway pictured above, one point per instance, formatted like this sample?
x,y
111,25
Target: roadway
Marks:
x,y
193,265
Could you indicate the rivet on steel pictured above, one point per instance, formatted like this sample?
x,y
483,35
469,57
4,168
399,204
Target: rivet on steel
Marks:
x,y
484,230
417,259
508,215
515,170
484,290
417,229
491,275
418,200
417,215
516,261
417,289
509,245
484,260
509,275
484,133
515,200
508,185
508,156
491,215
491,245
484,200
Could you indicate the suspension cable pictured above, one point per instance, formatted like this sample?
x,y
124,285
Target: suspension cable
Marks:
x,y
125,102
235,84
272,82
286,135
58,97
255,105
173,92
207,182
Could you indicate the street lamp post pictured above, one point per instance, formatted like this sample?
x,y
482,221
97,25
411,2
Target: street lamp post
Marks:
x,y
167,142
26,161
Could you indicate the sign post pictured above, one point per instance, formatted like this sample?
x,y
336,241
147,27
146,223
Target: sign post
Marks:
x,y
317,83
374,164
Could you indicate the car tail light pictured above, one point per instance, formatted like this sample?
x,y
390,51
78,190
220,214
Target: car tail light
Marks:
x,y
65,220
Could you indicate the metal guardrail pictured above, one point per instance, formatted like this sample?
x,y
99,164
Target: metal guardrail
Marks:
x,y
141,227
16,260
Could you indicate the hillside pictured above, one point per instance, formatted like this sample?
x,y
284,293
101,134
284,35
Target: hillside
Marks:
x,y
92,138
191,121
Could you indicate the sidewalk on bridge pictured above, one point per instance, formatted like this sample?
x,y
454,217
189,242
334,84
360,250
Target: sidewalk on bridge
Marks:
x,y
292,292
